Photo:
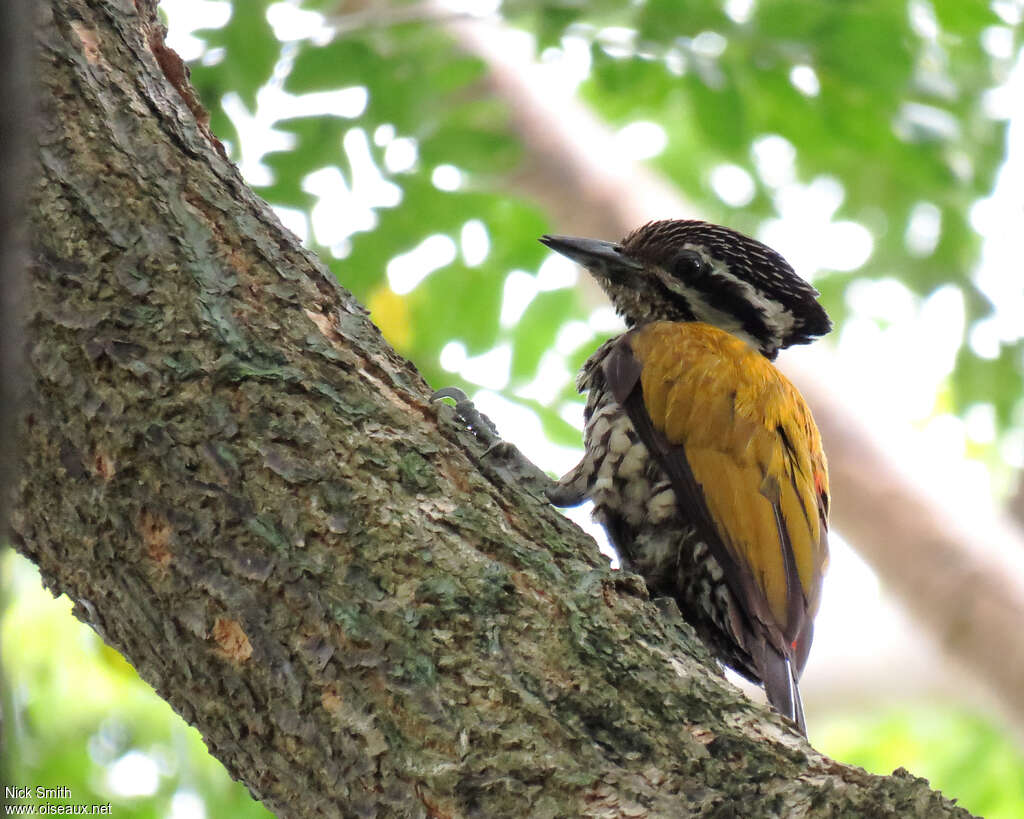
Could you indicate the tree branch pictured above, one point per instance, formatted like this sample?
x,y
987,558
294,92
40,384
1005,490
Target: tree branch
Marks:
x,y
245,492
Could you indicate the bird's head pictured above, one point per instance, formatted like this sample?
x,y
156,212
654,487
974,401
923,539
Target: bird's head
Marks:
x,y
687,270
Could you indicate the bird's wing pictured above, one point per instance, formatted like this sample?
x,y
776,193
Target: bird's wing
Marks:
x,y
744,457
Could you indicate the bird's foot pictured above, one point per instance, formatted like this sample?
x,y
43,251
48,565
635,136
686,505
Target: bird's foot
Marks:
x,y
476,422
500,456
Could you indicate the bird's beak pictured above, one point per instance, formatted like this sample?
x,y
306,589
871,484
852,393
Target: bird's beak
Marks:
x,y
604,259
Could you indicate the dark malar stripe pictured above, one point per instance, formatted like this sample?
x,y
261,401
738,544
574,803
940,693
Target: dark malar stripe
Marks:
x,y
729,297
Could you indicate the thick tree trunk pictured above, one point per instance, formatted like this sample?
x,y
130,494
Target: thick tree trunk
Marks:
x,y
247,493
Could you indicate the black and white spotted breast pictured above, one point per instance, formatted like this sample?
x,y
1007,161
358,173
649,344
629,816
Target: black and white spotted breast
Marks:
x,y
635,503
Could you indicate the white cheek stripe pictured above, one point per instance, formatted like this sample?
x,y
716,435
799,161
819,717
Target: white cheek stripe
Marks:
x,y
778,318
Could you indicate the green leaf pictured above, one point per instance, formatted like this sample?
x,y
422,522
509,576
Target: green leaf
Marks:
x,y
537,329
252,47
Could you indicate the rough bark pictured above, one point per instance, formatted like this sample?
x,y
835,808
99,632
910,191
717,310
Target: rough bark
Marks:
x,y
245,492
963,582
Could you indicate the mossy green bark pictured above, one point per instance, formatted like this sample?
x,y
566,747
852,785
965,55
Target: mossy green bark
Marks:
x,y
248,494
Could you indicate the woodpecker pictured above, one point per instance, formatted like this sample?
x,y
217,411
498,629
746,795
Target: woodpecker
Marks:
x,y
703,461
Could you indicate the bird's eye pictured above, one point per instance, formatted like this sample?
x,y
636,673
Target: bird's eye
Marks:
x,y
689,264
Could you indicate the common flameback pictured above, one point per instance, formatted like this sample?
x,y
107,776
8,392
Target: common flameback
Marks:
x,y
703,461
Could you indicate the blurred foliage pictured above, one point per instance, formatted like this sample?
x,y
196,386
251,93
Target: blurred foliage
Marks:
x,y
899,118
961,754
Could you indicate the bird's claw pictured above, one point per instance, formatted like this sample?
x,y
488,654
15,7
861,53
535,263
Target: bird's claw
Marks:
x,y
478,423
515,466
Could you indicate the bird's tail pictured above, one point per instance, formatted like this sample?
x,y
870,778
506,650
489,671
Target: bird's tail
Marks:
x,y
779,675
